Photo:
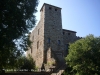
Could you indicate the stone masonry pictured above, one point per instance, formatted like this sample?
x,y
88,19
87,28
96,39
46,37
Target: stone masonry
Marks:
x,y
49,41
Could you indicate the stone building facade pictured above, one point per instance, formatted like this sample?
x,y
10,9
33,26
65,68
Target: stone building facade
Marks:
x,y
49,41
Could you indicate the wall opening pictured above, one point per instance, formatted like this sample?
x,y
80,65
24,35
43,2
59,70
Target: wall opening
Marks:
x,y
37,44
68,33
63,33
38,31
55,9
59,42
48,40
50,8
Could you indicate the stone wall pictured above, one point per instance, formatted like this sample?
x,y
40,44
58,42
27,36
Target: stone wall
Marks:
x,y
37,38
69,36
53,38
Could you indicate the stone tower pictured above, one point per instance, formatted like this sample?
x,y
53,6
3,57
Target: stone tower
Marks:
x,y
47,37
53,39
49,40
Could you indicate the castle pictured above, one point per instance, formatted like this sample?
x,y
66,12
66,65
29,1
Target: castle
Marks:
x,y
49,41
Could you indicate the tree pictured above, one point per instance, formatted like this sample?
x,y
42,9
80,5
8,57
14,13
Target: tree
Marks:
x,y
22,63
28,64
84,56
16,19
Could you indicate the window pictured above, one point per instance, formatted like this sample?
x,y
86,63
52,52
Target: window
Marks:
x,y
63,33
38,31
50,8
59,42
68,33
37,44
55,9
49,40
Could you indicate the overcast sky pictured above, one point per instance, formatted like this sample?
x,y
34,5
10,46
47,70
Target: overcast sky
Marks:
x,y
82,16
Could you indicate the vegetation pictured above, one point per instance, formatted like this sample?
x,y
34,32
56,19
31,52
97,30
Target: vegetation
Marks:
x,y
26,63
16,19
23,63
84,57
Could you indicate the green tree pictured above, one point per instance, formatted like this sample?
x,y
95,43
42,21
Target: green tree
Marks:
x,y
25,63
16,19
28,64
22,62
84,56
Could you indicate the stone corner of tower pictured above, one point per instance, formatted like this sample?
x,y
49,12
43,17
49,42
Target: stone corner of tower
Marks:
x,y
48,5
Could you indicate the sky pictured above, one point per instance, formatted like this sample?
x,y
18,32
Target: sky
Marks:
x,y
82,16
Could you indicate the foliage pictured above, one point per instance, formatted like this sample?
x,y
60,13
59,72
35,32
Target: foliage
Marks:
x,y
16,19
69,71
28,64
22,62
84,56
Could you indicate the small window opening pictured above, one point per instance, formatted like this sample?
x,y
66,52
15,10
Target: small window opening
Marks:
x,y
38,31
37,44
68,33
63,33
49,40
50,8
55,9
59,42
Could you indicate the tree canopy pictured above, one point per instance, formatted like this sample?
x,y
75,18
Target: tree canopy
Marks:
x,y
84,56
21,63
16,19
